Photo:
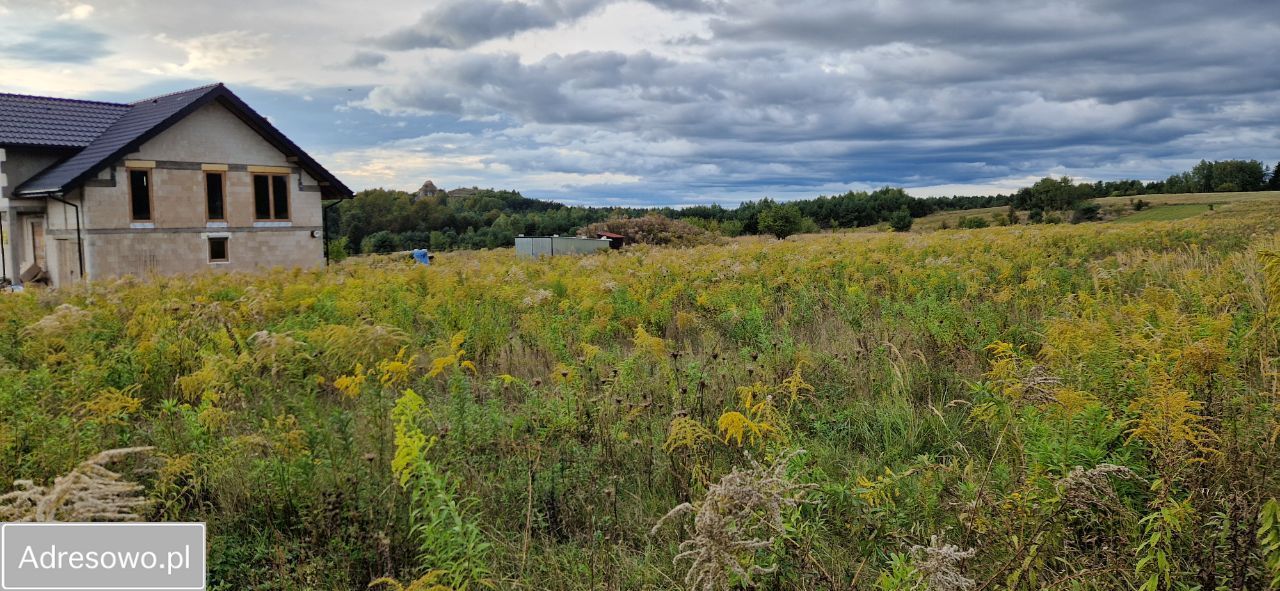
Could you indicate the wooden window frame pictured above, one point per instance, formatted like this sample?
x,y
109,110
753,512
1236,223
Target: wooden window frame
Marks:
x,y
226,248
271,196
151,195
207,217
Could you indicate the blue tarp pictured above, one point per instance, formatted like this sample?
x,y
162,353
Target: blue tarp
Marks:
x,y
422,256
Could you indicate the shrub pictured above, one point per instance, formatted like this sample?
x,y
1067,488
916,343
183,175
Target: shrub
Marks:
x,y
339,249
653,229
380,242
1086,212
780,220
901,220
971,223
1141,204
731,228
412,240
442,240
1036,215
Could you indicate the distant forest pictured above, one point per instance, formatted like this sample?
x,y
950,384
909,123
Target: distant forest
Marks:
x,y
382,220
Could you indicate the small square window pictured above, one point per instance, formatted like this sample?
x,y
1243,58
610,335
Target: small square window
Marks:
x,y
218,250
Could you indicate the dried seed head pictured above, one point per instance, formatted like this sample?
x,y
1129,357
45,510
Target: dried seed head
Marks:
x,y
739,515
940,563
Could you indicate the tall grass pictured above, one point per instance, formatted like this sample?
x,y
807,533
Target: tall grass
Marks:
x,y
1085,407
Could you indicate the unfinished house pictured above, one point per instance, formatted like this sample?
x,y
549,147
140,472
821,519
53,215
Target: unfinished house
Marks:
x,y
173,184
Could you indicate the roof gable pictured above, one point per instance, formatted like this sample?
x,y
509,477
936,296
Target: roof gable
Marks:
x,y
146,119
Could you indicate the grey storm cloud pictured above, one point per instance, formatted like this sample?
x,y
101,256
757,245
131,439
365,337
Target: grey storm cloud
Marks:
x,y
365,59
459,24
63,43
463,23
822,92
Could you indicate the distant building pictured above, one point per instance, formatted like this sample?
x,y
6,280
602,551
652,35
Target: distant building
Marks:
x,y
428,189
172,184
616,241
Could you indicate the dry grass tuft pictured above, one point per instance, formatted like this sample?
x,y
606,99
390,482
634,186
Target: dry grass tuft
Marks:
x,y
90,492
1092,489
66,318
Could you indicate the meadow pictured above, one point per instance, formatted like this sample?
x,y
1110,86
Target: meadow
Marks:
x,y
1091,406
1162,208
1167,213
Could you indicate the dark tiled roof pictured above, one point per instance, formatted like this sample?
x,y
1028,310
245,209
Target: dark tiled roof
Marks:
x,y
139,122
54,122
139,118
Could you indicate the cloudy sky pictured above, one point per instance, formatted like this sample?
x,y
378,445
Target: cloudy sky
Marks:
x,y
694,101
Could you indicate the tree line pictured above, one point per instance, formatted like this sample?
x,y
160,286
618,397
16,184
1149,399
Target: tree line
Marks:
x,y
384,220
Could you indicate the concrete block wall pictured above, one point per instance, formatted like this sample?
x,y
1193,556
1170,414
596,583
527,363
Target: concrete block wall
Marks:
x,y
169,253
22,164
211,134
178,199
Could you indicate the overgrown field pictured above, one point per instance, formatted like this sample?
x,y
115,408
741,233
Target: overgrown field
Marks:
x,y
1167,213
1027,407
